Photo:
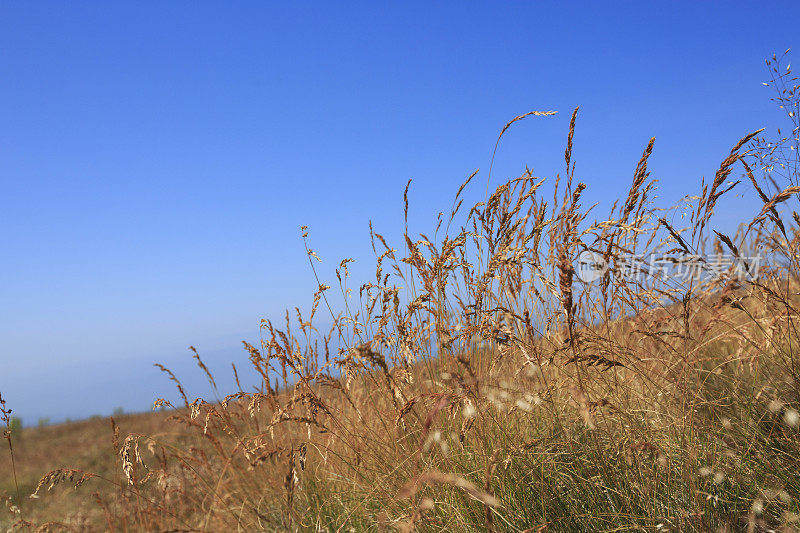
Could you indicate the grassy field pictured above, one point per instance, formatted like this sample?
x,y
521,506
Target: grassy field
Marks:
x,y
86,446
480,383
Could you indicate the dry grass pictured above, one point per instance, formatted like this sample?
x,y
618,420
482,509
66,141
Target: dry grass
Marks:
x,y
76,448
476,384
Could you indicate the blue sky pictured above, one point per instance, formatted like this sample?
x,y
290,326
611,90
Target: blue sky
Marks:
x,y
157,159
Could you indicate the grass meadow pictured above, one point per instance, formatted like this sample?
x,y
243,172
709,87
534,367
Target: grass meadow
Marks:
x,y
478,382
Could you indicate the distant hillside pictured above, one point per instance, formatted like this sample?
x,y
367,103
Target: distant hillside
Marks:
x,y
84,445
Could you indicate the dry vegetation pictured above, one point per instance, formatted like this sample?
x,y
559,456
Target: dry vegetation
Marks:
x,y
476,384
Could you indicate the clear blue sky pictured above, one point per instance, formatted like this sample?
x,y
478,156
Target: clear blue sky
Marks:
x,y
157,158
